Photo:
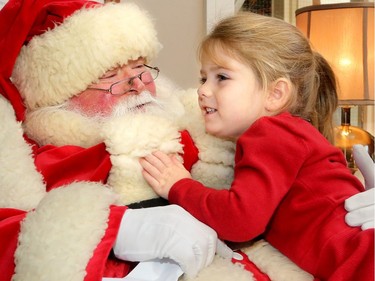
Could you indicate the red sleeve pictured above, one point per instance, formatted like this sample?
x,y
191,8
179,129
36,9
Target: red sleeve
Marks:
x,y
66,164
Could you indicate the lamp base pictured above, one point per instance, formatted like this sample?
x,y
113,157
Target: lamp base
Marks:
x,y
346,136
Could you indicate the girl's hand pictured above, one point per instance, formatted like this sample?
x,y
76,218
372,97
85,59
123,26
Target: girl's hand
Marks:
x,y
162,172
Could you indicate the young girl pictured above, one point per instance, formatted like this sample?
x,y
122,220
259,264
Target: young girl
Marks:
x,y
264,87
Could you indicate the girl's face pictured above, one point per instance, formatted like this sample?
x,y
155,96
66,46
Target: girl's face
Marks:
x,y
230,97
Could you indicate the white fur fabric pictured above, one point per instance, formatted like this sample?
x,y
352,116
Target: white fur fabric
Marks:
x,y
222,270
61,127
21,186
277,266
57,240
142,135
268,259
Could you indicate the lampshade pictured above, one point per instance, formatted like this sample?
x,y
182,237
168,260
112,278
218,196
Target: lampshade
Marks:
x,y
344,35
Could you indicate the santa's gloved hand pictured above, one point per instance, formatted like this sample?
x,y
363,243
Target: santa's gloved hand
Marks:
x,y
166,232
360,207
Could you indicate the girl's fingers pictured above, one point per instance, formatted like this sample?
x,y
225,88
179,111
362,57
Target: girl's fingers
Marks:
x,y
155,161
162,157
150,168
150,179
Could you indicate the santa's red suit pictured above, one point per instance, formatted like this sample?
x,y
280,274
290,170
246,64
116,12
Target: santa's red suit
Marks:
x,y
66,180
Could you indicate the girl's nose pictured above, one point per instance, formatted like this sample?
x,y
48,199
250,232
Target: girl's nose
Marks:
x,y
203,91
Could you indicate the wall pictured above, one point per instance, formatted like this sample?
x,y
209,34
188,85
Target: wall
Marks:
x,y
181,25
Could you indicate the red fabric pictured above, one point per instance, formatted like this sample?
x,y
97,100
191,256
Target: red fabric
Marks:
x,y
96,268
190,150
291,190
250,266
10,224
66,164
20,20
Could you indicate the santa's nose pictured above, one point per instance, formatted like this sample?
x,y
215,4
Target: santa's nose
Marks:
x,y
136,85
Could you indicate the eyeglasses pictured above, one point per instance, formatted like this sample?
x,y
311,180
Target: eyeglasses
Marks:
x,y
123,86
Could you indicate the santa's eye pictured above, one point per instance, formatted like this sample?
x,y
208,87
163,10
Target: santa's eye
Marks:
x,y
108,75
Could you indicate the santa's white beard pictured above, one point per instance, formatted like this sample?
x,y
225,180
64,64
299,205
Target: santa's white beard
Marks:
x,y
64,125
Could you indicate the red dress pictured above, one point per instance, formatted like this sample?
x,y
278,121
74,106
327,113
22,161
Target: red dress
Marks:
x,y
290,185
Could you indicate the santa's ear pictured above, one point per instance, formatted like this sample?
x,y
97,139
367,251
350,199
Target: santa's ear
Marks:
x,y
278,95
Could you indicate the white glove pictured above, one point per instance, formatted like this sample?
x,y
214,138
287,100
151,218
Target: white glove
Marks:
x,y
360,207
166,232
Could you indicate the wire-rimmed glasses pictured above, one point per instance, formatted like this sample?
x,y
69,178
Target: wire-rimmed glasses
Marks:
x,y
123,86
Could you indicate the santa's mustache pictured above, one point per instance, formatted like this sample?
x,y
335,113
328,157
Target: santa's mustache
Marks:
x,y
136,103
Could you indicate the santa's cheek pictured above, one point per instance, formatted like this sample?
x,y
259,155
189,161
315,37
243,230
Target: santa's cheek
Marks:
x,y
151,88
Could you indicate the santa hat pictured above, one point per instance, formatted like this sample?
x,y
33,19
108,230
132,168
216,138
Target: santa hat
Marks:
x,y
52,50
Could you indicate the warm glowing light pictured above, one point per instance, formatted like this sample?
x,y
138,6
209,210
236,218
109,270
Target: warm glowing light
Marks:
x,y
345,62
344,34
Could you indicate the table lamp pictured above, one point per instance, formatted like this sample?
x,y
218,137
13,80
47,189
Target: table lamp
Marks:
x,y
344,35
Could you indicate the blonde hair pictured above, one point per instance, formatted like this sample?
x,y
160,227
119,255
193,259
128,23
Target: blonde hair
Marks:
x,y
276,49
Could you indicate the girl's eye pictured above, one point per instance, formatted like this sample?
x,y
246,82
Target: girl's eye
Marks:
x,y
202,80
222,77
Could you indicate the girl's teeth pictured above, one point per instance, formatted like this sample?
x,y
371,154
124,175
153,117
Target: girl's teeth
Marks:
x,y
210,110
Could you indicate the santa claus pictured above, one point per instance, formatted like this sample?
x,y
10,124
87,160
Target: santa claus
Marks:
x,y
82,104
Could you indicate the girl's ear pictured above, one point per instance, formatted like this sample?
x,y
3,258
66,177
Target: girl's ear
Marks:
x,y
278,95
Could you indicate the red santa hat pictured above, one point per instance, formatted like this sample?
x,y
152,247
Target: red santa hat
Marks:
x,y
52,50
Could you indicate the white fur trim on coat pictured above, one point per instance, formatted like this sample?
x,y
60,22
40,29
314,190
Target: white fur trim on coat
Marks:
x,y
58,239
222,270
21,186
277,266
63,61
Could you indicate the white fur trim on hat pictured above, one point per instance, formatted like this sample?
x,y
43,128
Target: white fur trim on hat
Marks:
x,y
63,61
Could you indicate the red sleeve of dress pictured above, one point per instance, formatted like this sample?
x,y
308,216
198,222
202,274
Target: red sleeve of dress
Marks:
x,y
66,164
